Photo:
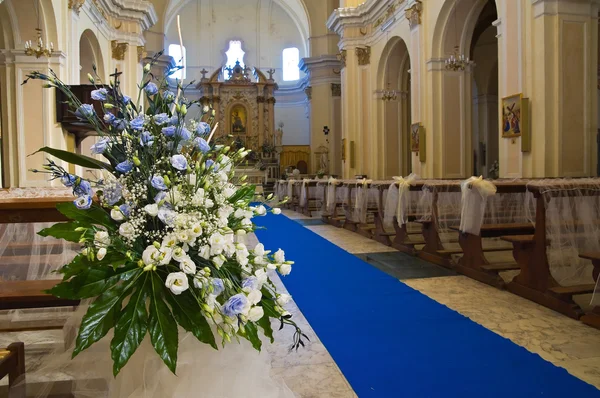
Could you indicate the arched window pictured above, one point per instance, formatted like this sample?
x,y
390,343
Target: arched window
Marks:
x,y
178,54
234,54
291,59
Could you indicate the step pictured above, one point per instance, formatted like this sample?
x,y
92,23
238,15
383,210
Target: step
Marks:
x,y
573,290
500,267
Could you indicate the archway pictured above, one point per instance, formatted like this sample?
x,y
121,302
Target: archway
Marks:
x,y
465,100
485,127
395,77
90,54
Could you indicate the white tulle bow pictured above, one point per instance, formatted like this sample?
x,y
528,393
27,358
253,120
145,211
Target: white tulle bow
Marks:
x,y
475,192
403,188
331,200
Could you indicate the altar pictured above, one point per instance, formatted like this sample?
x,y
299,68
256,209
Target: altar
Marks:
x,y
244,105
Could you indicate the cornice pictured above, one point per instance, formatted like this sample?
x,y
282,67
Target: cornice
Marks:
x,y
140,11
323,61
374,12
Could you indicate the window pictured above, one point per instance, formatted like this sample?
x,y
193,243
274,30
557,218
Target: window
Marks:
x,y
234,54
175,51
291,59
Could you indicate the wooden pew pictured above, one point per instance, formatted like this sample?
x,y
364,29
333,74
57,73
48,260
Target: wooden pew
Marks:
x,y
12,364
593,318
473,262
535,281
29,293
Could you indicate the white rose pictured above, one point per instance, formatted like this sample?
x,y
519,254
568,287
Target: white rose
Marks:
x,y
228,192
261,210
116,215
150,255
152,209
169,241
179,254
277,211
127,230
255,314
239,213
283,299
218,261
259,260
240,232
101,253
177,282
166,254
285,269
192,179
208,203
204,252
101,238
262,276
246,222
279,256
196,230
188,266
248,213
198,282
254,297
259,250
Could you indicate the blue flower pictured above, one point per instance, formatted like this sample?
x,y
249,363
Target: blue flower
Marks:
x,y
159,183
112,194
124,167
83,202
151,89
179,162
100,94
167,215
137,123
211,162
146,139
184,134
169,96
235,305
161,118
83,188
160,197
68,180
126,99
125,209
120,124
100,146
85,111
218,286
250,282
201,144
109,118
174,120
203,128
169,131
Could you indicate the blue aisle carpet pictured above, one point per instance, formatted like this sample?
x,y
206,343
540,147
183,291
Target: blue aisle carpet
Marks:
x,y
392,341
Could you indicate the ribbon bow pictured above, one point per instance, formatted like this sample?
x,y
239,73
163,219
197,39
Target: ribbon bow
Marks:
x,y
403,187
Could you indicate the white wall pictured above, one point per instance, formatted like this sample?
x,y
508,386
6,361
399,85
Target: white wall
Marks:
x,y
296,130
208,26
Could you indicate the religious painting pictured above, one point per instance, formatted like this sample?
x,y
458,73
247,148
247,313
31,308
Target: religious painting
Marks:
x,y
239,119
414,137
512,108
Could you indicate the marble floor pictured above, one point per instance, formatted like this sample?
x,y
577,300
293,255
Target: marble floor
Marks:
x,y
312,373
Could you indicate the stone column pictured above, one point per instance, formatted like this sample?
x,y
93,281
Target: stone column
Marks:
x,y
322,72
563,88
260,99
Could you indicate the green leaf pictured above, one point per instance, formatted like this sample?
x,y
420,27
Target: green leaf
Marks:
x,y
265,324
162,326
131,328
187,314
91,282
81,263
102,315
64,231
245,194
252,335
94,215
76,159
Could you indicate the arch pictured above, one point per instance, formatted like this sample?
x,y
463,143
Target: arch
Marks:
x,y
393,74
24,21
90,53
296,9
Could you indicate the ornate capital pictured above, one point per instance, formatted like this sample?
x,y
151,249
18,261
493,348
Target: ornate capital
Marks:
x,y
260,99
271,100
363,55
140,51
342,58
413,14
216,98
336,89
388,14
308,91
118,50
76,5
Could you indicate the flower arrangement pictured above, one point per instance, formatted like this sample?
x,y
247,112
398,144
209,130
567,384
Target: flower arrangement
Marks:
x,y
162,227
321,173
495,170
268,148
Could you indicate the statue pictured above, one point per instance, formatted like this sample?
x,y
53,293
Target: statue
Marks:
x,y
278,135
271,72
324,162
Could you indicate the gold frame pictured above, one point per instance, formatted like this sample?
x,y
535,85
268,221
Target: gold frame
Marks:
x,y
415,144
343,149
518,99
